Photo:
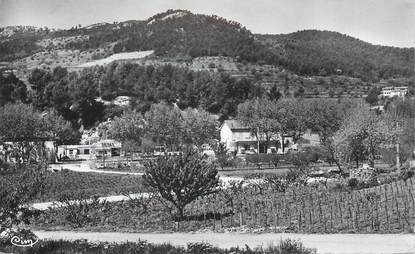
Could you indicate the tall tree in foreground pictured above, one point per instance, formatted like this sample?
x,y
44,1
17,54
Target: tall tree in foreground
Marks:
x,y
182,179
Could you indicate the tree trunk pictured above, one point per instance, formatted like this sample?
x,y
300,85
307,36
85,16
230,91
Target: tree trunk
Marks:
x,y
180,211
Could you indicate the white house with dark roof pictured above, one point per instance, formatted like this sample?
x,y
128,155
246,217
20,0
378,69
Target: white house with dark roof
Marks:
x,y
238,138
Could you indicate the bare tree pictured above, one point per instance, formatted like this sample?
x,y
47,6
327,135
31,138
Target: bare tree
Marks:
x,y
182,179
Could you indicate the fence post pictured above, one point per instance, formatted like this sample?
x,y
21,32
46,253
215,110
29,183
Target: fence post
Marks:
x,y
241,218
386,207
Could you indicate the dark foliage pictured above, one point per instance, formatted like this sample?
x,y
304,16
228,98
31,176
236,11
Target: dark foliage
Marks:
x,y
140,247
12,89
313,52
16,192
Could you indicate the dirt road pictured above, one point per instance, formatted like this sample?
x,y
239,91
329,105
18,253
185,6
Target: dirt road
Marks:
x,y
330,243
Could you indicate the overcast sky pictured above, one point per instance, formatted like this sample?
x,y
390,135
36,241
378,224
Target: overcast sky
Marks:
x,y
386,22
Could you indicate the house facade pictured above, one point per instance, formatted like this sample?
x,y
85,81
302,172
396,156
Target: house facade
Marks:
x,y
391,91
239,139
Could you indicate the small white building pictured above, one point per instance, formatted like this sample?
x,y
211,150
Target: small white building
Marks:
x,y
238,138
103,148
122,101
390,91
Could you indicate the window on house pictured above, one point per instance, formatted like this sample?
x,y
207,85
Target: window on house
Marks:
x,y
86,151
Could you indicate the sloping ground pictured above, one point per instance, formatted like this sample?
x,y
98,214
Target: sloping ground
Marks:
x,y
118,57
335,243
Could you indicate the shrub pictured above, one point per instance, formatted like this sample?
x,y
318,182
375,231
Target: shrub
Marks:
x,y
18,187
353,182
78,209
141,247
406,174
269,158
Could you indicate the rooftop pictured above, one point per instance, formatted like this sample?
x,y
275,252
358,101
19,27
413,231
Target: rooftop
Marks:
x,y
235,125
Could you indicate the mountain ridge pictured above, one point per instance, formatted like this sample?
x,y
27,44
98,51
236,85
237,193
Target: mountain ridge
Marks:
x,y
181,33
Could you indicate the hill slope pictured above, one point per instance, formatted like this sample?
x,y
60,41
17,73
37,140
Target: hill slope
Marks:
x,y
313,52
182,34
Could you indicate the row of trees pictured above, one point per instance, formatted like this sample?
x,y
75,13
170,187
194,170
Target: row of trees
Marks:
x,y
164,125
268,118
349,130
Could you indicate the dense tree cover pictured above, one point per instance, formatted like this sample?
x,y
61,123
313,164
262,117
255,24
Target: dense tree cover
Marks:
x,y
217,93
20,42
181,179
73,94
313,52
12,89
186,34
17,48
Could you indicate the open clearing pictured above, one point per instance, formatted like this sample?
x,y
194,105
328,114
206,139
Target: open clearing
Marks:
x,y
118,57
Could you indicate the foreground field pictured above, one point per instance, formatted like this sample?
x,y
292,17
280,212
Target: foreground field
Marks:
x,y
68,182
388,208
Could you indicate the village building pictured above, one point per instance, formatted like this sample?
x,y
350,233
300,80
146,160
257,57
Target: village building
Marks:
x,y
390,91
104,148
121,101
239,139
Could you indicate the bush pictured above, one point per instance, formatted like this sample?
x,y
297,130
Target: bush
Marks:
x,y
353,182
406,174
78,209
269,158
141,247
